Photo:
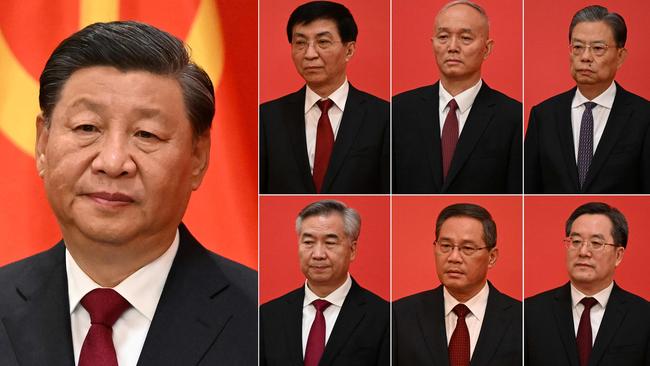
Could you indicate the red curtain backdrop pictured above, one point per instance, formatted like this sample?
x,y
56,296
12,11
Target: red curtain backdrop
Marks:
x,y
544,258
223,213
414,64
546,51
279,266
368,70
414,224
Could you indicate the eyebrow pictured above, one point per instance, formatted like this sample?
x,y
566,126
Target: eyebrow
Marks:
x,y
139,112
321,34
592,42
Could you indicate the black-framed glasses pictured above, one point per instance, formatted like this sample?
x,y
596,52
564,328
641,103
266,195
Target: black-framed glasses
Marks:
x,y
320,44
594,245
597,49
466,249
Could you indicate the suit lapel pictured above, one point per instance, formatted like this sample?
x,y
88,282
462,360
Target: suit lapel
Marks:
x,y
614,314
564,322
478,120
565,136
351,122
40,330
428,125
495,323
293,327
295,124
193,308
431,316
351,315
619,114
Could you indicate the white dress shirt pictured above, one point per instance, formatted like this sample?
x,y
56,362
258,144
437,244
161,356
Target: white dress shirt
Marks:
x,y
474,319
597,311
142,290
336,298
600,112
312,114
465,100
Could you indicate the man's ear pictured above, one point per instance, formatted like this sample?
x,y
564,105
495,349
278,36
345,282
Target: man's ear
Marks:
x,y
200,158
42,137
350,48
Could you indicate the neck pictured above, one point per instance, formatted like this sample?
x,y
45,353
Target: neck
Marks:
x,y
464,296
592,91
108,264
590,289
323,290
325,90
457,86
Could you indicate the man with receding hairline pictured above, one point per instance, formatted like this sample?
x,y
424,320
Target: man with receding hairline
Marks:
x,y
457,135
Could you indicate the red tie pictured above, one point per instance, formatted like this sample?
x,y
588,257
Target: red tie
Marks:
x,y
105,306
459,342
324,143
449,137
583,339
316,339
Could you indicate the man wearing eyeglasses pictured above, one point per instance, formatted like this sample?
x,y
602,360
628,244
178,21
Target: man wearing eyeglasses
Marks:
x,y
457,135
595,138
328,137
466,318
590,320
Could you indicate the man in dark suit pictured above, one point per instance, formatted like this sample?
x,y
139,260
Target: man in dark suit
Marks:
x,y
465,321
331,320
590,321
123,139
328,137
595,138
458,135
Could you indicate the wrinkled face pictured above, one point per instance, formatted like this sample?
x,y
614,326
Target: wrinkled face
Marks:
x,y
461,274
591,70
325,251
323,61
118,157
593,270
460,42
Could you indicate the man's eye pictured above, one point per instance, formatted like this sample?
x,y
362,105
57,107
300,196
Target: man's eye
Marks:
x,y
598,48
86,128
146,135
324,43
442,37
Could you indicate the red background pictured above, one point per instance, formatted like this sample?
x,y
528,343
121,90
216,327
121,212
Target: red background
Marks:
x,y
545,253
414,63
546,70
414,223
279,266
368,69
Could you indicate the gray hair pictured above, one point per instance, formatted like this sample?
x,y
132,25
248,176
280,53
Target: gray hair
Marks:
x,y
597,13
471,4
351,218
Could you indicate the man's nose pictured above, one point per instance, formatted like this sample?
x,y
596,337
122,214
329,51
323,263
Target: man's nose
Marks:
x,y
311,51
319,251
114,157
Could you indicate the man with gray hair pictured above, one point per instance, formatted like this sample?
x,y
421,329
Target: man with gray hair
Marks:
x,y
457,135
330,320
594,138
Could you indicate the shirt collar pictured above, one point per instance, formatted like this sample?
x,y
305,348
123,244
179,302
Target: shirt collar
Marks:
x,y
339,96
476,304
464,100
602,296
142,289
605,99
336,297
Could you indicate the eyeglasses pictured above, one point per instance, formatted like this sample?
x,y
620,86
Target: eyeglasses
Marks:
x,y
593,245
467,250
320,44
597,49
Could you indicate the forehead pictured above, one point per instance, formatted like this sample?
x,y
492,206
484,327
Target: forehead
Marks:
x,y
460,16
593,32
592,224
316,28
462,227
323,224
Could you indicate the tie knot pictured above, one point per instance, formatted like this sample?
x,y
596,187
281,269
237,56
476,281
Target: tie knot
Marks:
x,y
461,311
589,106
325,105
104,305
588,302
321,305
452,105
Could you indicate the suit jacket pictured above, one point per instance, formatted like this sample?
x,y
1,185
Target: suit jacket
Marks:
x,y
623,337
621,163
360,336
206,314
488,153
419,336
360,160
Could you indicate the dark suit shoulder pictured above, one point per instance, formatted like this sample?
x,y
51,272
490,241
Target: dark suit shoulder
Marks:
x,y
239,276
414,94
506,299
543,297
504,100
553,101
369,97
10,272
295,295
409,302
372,298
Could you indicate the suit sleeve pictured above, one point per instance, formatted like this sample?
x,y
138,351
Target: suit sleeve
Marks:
x,y
384,173
384,352
514,167
262,353
263,155
532,167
